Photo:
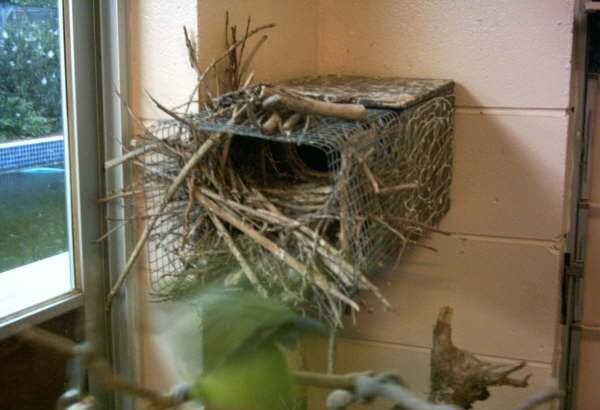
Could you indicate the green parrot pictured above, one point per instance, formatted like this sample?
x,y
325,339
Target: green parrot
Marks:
x,y
244,366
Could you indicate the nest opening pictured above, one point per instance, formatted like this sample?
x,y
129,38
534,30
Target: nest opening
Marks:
x,y
265,163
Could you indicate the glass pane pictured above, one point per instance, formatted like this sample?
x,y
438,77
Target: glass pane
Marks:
x,y
34,239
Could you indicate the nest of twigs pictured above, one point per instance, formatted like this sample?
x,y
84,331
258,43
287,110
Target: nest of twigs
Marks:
x,y
259,212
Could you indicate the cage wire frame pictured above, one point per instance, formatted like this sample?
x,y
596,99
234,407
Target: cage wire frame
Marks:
x,y
391,179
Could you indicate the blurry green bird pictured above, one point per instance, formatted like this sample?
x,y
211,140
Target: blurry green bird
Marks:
x,y
242,339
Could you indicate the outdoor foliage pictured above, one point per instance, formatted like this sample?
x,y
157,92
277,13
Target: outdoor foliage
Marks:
x,y
30,96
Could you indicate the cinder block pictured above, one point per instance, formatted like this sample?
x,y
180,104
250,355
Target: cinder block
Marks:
x,y
505,298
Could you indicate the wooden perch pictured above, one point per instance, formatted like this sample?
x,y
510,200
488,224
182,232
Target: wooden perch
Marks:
x,y
457,376
368,387
99,368
277,98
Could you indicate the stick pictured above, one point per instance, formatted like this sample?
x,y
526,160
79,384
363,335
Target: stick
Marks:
x,y
124,194
397,188
272,124
98,366
130,155
111,231
400,235
279,98
241,55
290,123
189,166
334,254
320,280
250,57
238,255
225,54
191,51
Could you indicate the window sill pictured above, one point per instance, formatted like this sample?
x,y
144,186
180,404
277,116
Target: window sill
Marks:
x,y
36,292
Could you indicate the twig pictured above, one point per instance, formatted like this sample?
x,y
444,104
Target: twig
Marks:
x,y
320,281
457,376
111,231
124,194
246,64
99,367
396,188
238,255
130,155
276,97
367,170
189,166
241,55
400,235
224,55
191,51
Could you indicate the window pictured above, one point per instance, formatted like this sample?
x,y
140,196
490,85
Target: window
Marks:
x,y
49,144
35,256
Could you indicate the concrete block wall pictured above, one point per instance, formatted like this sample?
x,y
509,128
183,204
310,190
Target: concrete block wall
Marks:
x,y
588,396
511,63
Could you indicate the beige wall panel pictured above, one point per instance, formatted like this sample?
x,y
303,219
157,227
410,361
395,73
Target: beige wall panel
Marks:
x,y
413,365
591,301
505,298
291,49
158,57
508,53
509,173
588,396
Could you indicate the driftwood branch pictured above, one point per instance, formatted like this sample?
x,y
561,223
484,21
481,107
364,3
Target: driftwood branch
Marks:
x,y
100,368
457,376
278,98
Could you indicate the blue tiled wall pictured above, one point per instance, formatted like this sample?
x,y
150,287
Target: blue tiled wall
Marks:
x,y
32,155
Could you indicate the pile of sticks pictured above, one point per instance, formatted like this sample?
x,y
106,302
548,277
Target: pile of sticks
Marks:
x,y
274,109
246,212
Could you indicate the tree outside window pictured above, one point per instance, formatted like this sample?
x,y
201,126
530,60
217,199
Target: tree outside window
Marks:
x,y
30,90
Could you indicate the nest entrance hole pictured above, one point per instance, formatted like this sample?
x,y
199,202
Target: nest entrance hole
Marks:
x,y
268,163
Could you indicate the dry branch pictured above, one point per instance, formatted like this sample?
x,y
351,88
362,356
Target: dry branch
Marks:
x,y
319,280
277,98
189,166
99,367
457,376
252,278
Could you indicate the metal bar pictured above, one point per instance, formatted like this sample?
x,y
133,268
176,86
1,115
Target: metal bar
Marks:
x,y
82,64
569,338
113,34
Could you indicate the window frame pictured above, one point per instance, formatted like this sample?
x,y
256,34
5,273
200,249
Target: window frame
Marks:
x,y
74,298
95,62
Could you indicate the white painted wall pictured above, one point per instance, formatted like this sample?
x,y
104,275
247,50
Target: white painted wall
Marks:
x,y
511,62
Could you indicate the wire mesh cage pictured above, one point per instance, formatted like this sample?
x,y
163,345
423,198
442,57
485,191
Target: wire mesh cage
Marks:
x,y
360,190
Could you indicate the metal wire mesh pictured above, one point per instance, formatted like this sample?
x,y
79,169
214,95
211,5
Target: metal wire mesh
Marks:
x,y
387,180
